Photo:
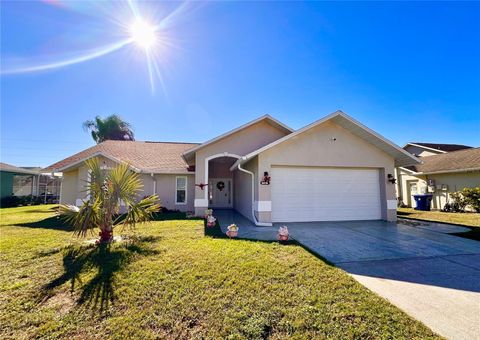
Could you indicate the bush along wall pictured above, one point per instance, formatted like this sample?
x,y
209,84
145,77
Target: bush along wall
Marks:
x,y
18,201
460,200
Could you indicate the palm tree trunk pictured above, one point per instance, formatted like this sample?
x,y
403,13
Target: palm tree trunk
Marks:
x,y
106,234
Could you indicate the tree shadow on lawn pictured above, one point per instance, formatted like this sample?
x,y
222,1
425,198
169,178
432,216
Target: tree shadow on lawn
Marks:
x,y
41,211
473,234
57,223
106,260
404,213
53,222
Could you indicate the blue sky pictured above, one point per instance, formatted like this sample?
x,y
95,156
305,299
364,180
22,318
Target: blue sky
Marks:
x,y
410,71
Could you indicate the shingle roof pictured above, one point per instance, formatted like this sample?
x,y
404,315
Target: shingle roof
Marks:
x,y
16,169
443,147
450,162
154,157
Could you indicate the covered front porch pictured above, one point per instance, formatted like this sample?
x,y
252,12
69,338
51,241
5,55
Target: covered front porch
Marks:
x,y
229,190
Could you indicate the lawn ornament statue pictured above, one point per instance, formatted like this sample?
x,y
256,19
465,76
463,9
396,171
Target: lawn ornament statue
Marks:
x,y
283,234
232,231
211,221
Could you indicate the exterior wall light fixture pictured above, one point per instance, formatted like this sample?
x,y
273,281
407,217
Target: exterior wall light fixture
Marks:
x,y
391,179
266,179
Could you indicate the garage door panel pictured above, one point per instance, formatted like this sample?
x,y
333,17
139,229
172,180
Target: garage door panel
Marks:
x,y
321,194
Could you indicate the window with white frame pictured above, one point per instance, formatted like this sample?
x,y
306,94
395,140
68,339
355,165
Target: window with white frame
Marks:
x,y
181,190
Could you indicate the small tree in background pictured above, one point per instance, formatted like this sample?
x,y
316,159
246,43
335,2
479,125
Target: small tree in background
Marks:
x,y
111,128
108,190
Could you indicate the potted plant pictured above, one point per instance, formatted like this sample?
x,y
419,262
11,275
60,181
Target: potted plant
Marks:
x,y
283,234
232,231
211,221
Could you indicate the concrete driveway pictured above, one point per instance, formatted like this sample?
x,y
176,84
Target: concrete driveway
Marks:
x,y
431,275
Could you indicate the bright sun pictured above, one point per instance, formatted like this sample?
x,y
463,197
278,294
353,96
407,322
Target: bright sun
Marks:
x,y
143,34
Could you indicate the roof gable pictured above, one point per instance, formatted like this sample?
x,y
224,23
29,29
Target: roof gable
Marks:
x,y
189,153
401,156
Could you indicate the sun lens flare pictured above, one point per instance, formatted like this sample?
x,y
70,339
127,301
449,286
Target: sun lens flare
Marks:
x,y
139,36
143,34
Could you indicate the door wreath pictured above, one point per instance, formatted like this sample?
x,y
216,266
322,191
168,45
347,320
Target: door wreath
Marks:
x,y
220,185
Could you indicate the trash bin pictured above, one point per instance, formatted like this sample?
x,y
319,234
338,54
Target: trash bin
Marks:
x,y
423,201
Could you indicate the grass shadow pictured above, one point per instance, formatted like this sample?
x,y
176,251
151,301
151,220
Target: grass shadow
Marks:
x,y
105,260
57,223
41,211
473,234
404,213
173,215
53,222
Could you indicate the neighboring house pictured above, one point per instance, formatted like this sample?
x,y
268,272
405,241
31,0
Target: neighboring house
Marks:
x,y
446,168
26,181
333,169
15,181
431,149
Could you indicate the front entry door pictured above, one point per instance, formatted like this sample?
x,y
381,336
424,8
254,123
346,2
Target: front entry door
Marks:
x,y
220,193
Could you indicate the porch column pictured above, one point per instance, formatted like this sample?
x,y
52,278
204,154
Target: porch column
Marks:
x,y
201,196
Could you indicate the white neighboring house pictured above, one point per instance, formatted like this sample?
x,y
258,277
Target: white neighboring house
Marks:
x,y
446,168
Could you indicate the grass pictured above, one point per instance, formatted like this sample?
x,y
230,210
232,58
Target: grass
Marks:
x,y
466,219
470,220
175,282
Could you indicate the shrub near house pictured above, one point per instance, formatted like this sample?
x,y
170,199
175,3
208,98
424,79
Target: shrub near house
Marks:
x,y
461,200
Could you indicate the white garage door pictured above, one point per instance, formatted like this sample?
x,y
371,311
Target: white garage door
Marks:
x,y
325,194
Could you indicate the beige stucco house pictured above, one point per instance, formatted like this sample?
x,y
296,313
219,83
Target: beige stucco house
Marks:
x,y
333,169
445,168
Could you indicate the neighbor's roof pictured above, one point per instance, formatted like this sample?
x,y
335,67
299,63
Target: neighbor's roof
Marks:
x,y
402,157
457,161
189,153
150,157
440,147
16,169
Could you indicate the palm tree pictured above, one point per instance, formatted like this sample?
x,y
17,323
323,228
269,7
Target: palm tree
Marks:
x,y
110,128
107,190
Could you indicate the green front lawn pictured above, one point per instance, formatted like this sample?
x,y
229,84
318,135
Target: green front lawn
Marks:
x,y
173,282
467,219
470,220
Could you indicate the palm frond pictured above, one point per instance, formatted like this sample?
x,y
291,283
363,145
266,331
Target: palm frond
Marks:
x,y
106,189
125,183
82,219
95,185
141,212
112,127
